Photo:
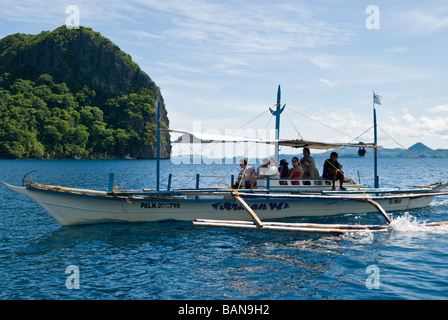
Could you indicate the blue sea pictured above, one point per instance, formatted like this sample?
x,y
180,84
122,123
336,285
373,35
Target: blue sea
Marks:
x,y
39,259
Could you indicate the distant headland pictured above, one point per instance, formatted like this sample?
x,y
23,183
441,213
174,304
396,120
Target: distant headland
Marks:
x,y
418,149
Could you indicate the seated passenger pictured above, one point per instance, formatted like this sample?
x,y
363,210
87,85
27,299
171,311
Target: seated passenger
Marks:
x,y
273,171
283,169
307,154
332,170
263,170
311,171
246,177
296,171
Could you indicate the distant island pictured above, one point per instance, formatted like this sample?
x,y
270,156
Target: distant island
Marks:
x,y
418,149
72,93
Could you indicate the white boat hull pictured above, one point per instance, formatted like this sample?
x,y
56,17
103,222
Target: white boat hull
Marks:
x,y
73,208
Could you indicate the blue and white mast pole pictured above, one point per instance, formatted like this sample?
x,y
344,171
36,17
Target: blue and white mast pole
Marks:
x,y
377,99
277,113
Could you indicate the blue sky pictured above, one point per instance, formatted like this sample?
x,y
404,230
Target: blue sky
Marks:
x,y
220,62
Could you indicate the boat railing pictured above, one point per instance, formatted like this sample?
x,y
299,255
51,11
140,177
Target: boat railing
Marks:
x,y
273,183
267,184
196,182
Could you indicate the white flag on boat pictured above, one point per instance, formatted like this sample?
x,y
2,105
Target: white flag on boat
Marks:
x,y
377,98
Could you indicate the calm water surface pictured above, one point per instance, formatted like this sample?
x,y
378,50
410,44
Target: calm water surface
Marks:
x,y
176,260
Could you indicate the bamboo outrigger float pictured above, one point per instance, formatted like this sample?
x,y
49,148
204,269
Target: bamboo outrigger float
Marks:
x,y
275,198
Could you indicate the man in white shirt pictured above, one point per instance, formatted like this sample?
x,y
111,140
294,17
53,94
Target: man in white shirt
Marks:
x,y
248,174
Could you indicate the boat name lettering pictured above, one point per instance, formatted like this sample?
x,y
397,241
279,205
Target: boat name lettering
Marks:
x,y
229,206
394,201
159,205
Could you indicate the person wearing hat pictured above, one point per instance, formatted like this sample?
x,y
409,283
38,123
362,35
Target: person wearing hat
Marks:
x,y
273,171
262,171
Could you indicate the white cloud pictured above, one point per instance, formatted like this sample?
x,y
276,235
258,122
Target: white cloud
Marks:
x,y
143,35
49,14
261,28
427,22
439,108
327,82
397,49
418,128
408,119
323,61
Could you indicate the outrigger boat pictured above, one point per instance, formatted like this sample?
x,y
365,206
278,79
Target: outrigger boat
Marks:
x,y
274,198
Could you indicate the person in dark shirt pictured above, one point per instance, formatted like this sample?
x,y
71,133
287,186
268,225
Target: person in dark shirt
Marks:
x,y
283,169
332,170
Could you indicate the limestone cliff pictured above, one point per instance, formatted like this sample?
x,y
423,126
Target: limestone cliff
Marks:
x,y
86,62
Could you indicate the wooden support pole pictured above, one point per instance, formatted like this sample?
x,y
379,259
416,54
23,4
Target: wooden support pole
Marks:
x,y
380,209
246,207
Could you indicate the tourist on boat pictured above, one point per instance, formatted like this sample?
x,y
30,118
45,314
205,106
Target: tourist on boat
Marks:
x,y
263,170
332,170
310,171
283,169
296,171
307,154
273,171
246,177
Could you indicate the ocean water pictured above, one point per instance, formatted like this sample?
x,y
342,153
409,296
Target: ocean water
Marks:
x,y
39,259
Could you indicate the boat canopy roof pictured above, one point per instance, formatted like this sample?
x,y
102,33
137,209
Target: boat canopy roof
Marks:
x,y
191,137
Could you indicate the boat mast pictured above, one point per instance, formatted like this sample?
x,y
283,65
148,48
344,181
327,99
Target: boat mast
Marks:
x,y
158,148
277,113
375,150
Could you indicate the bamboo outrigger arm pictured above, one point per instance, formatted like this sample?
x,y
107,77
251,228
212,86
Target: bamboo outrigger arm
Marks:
x,y
379,208
258,224
251,212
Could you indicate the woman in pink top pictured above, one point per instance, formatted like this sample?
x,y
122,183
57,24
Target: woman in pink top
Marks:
x,y
295,172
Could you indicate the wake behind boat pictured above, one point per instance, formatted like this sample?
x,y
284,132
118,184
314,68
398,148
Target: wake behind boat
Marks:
x,y
275,197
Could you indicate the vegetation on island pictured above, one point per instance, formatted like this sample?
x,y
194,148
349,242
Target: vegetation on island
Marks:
x,y
74,94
